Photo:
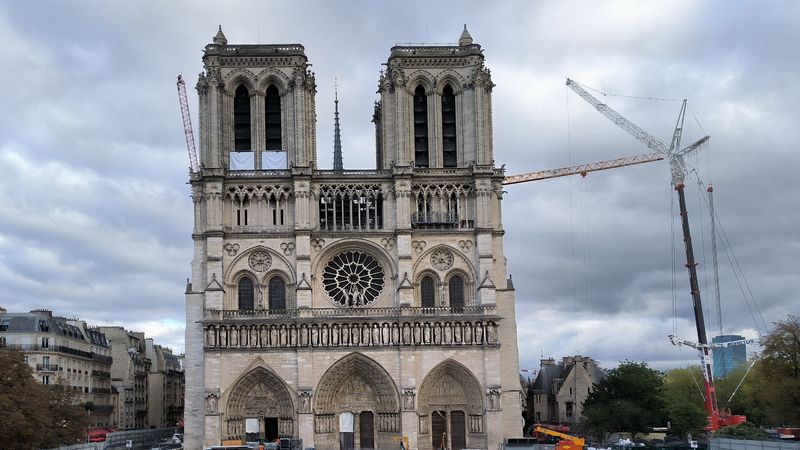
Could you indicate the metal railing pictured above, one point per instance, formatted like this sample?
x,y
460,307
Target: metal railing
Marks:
x,y
102,358
101,374
47,367
103,409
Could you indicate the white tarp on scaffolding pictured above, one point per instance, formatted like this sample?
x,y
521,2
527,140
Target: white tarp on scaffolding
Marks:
x,y
242,160
273,160
251,425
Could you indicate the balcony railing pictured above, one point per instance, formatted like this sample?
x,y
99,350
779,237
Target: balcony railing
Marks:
x,y
103,409
101,390
102,358
397,312
439,220
101,374
74,351
47,367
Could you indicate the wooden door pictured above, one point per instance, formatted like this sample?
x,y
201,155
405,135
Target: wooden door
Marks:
x,y
458,430
439,429
366,430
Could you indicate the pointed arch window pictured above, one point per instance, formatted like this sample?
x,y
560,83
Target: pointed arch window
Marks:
x,y
246,294
273,118
241,120
456,293
277,294
420,127
450,156
427,292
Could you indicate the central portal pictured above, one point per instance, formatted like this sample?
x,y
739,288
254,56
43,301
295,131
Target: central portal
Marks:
x,y
358,388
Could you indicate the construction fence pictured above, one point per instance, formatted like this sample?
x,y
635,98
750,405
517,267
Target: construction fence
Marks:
x,y
741,444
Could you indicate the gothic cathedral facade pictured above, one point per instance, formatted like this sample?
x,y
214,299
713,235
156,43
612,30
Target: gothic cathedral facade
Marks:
x,y
349,308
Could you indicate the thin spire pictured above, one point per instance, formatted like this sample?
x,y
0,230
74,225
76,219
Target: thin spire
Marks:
x,y
337,136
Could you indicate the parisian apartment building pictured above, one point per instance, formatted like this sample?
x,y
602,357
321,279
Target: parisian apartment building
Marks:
x,y
123,379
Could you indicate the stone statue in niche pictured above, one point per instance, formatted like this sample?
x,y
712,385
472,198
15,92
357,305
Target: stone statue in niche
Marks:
x,y
305,401
494,399
408,399
211,404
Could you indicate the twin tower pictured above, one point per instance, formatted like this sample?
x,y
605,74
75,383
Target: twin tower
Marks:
x,y
349,308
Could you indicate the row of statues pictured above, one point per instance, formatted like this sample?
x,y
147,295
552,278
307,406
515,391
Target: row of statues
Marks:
x,y
351,334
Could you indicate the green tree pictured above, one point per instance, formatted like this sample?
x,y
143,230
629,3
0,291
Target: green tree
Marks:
x,y
630,398
742,431
683,393
780,368
33,415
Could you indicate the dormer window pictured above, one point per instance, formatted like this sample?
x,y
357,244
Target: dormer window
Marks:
x,y
241,120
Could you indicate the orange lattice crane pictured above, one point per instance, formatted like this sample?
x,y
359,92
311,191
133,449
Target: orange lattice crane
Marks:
x,y
567,442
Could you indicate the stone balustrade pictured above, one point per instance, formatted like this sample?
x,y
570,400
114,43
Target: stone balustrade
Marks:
x,y
266,335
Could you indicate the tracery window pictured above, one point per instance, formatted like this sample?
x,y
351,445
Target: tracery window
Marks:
x,y
272,116
277,294
427,288
241,120
353,278
450,156
420,127
350,207
456,293
246,294
442,206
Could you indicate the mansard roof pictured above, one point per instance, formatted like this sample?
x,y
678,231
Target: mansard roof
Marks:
x,y
37,323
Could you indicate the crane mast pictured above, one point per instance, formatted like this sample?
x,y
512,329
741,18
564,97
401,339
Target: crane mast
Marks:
x,y
187,126
675,156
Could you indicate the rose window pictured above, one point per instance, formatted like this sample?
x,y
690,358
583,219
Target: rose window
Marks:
x,y
353,278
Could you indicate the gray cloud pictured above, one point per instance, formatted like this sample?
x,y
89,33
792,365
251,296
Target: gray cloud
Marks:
x,y
96,216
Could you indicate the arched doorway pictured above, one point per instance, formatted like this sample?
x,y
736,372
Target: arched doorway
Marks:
x,y
260,406
356,392
450,408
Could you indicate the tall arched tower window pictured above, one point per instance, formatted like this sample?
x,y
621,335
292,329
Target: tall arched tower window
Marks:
x,y
241,120
273,118
277,293
246,294
420,127
456,293
449,127
428,292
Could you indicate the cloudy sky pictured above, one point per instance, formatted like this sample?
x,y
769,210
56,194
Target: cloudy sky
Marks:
x,y
95,216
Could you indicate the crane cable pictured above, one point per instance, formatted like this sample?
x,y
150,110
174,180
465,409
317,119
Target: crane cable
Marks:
x,y
607,94
571,221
